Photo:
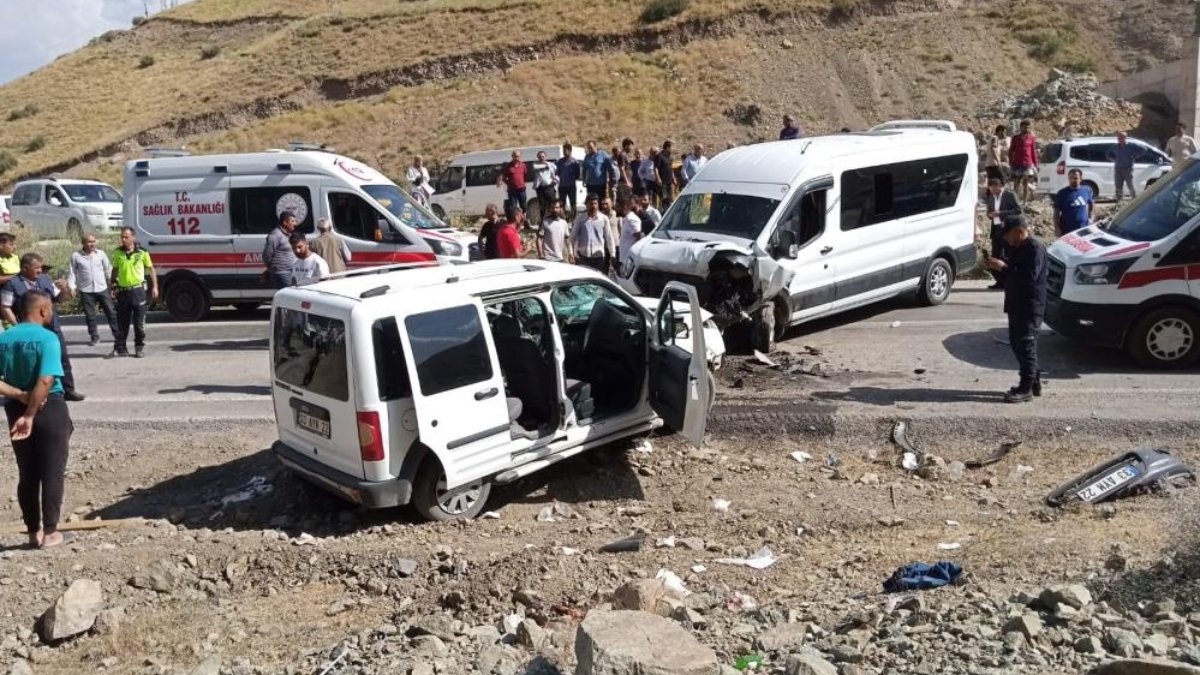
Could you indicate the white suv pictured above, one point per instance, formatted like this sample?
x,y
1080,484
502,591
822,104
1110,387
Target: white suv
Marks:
x,y
63,207
427,385
1094,157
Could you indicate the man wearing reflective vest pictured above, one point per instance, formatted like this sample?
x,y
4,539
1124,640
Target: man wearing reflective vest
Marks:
x,y
130,264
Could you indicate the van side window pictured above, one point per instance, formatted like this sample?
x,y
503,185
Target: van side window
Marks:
x,y
482,175
256,210
353,217
25,195
391,369
881,193
310,353
450,180
449,348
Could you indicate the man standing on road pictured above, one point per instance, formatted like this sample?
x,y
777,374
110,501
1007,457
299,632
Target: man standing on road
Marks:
x,y
553,239
330,247
10,262
648,172
544,178
1001,204
38,420
88,275
1123,158
277,253
487,233
597,170
692,164
309,267
1073,204
418,180
130,265
1180,146
592,238
513,177
665,168
790,131
1023,157
614,221
568,171
624,164
32,278
508,237
648,208
631,229
1024,303
997,153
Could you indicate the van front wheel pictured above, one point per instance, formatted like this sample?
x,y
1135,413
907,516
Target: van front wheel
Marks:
x,y
1166,338
434,502
935,285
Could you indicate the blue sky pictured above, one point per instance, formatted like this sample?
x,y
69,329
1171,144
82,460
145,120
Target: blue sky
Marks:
x,y
34,32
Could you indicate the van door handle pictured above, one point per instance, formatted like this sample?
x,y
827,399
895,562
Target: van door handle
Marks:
x,y
825,250
486,393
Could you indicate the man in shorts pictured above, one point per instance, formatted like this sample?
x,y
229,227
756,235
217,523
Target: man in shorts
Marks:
x,y
1023,157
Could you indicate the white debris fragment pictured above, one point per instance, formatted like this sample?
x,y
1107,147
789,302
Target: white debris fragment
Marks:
x,y
511,621
665,542
952,546
952,523
910,462
490,515
799,531
764,359
305,539
673,583
644,447
720,505
801,456
256,486
699,569
895,324
740,602
555,512
761,560
565,550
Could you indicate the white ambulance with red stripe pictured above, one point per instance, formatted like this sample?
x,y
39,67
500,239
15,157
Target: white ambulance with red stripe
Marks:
x,y
204,219
1133,281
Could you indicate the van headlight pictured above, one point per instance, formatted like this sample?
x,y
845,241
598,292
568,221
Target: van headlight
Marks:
x,y
1102,274
445,248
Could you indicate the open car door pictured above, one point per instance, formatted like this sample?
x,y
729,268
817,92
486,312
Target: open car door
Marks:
x,y
681,388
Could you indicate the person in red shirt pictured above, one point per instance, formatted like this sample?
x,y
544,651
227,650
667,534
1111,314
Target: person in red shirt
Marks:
x,y
1023,157
508,240
512,176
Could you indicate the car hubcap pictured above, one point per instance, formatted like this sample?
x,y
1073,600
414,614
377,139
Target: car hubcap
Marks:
x,y
457,502
1170,339
939,282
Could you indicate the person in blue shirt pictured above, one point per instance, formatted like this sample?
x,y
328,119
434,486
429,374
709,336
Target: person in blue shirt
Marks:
x,y
597,171
568,178
1073,204
39,424
33,278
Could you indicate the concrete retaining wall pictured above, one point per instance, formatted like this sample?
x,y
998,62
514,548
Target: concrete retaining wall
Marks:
x,y
1177,81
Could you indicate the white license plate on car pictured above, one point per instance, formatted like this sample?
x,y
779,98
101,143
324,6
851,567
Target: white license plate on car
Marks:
x,y
312,424
1114,479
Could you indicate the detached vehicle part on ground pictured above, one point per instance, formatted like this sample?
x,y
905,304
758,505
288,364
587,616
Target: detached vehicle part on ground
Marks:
x,y
777,234
1122,476
1132,282
426,385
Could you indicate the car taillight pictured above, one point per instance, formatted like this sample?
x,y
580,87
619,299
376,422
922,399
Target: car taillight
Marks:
x,y
370,436
1062,168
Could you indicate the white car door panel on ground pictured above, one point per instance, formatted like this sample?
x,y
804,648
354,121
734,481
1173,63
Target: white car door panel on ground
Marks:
x,y
681,388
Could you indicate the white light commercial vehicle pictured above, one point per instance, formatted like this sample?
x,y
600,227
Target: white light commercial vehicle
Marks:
x,y
6,212
1133,281
428,385
780,233
468,184
1093,156
66,207
204,219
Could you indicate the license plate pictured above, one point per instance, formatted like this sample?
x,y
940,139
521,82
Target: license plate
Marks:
x,y
1044,179
1114,479
312,424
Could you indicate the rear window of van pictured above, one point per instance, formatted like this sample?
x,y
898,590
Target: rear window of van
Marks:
x,y
310,353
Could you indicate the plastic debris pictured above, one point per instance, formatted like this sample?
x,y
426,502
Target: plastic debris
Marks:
x,y
748,663
510,622
565,550
997,455
305,539
896,324
254,487
673,583
801,456
952,546
644,447
626,545
740,602
555,512
922,576
761,560
699,569
764,359
489,515
910,462
665,542
832,461
720,505
952,523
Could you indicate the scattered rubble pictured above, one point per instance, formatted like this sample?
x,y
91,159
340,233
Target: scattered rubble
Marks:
x,y
1068,101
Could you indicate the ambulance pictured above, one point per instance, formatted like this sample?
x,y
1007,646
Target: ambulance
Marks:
x,y
204,219
1132,281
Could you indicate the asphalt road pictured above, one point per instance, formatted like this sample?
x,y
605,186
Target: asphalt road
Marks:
x,y
218,370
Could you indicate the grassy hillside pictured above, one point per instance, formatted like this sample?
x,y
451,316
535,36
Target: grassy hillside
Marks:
x,y
381,79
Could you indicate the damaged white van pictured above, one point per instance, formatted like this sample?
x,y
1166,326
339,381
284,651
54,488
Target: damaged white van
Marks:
x,y
776,234
426,385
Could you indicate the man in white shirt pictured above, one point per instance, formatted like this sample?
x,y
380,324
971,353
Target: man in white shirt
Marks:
x,y
592,238
553,238
545,182
418,179
649,210
88,274
1180,146
309,267
631,228
693,163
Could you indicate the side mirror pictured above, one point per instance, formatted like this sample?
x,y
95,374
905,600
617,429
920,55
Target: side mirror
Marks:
x,y
785,244
681,331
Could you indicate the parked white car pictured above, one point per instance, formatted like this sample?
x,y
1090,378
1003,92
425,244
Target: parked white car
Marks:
x,y
427,385
1094,157
66,207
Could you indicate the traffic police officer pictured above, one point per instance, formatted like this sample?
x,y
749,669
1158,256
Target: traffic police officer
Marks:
x,y
1024,303
130,263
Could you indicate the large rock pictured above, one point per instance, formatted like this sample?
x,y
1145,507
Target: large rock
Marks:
x,y
809,662
1144,667
74,611
784,637
639,643
1028,624
644,595
1075,596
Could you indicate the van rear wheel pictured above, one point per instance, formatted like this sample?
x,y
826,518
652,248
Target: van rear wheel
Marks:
x,y
186,301
936,284
1166,338
434,502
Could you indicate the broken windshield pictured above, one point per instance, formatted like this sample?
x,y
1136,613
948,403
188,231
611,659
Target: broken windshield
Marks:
x,y
718,213
1163,208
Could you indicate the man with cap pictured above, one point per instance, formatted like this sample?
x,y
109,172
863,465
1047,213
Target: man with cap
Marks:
x,y
1024,303
33,278
132,268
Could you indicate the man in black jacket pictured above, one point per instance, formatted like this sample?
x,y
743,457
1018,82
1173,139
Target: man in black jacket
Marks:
x,y
1001,204
1024,303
